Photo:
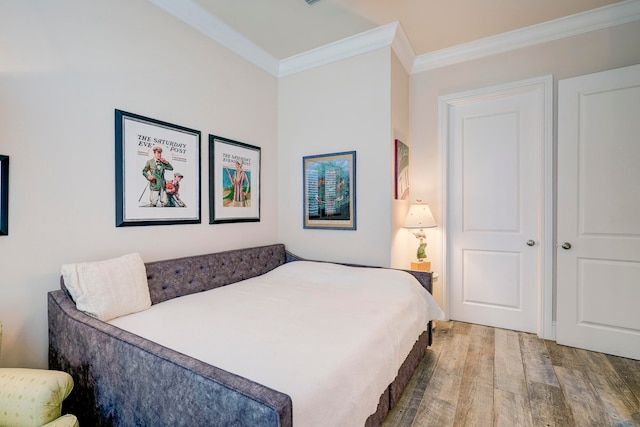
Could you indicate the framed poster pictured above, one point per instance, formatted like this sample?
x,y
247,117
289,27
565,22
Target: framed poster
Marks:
x,y
234,181
330,191
402,170
157,172
4,195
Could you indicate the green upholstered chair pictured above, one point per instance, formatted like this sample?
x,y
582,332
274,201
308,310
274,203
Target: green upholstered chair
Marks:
x,y
33,397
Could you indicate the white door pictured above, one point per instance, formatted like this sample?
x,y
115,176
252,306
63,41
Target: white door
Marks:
x,y
598,282
496,140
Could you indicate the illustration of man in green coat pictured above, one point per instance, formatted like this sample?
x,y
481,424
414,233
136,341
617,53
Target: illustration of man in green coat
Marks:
x,y
153,171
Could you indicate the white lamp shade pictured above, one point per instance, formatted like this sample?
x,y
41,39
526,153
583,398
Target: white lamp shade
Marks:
x,y
419,216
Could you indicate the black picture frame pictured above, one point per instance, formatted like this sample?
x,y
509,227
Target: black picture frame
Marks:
x,y
233,166
4,195
329,191
145,195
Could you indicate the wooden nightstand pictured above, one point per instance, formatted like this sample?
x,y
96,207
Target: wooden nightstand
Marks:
x,y
421,266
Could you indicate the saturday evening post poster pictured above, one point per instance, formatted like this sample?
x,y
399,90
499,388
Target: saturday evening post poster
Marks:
x,y
160,171
234,181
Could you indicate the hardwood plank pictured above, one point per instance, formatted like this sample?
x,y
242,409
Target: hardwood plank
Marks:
x,y
548,406
461,328
629,371
475,400
441,336
442,328
537,363
509,369
511,409
619,401
405,411
482,339
564,356
586,407
439,403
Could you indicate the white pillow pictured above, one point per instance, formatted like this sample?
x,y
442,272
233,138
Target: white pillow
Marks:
x,y
110,288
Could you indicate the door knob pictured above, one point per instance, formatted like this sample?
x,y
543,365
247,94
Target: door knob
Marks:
x,y
566,245
531,242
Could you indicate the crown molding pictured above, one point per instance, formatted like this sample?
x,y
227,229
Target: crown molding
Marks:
x,y
596,19
392,34
191,13
402,47
364,42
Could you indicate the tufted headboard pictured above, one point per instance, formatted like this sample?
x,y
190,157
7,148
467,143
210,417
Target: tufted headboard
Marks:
x,y
183,276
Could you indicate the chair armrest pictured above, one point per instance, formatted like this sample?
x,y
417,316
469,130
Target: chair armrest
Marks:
x,y
32,396
64,421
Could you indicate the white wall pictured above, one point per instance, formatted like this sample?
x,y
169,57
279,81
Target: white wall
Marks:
x,y
402,241
588,53
342,106
66,65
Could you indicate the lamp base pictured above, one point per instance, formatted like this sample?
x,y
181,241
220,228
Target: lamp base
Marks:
x,y
422,266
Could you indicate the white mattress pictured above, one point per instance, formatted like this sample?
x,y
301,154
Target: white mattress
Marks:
x,y
331,337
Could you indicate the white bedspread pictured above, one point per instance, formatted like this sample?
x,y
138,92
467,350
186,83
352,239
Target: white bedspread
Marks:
x,y
331,337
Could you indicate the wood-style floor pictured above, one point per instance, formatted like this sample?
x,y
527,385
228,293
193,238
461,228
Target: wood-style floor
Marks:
x,y
480,376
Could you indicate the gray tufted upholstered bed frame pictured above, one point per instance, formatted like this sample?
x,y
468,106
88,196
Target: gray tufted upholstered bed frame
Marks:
x,y
122,379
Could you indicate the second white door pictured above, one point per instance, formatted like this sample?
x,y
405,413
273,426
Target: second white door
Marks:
x,y
599,212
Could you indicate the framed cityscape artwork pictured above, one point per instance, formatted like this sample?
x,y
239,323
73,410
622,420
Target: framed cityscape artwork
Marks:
x,y
329,185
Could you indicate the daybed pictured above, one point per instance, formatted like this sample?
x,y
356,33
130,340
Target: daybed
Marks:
x,y
123,379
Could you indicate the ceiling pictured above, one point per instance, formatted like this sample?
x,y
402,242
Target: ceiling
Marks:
x,y
284,28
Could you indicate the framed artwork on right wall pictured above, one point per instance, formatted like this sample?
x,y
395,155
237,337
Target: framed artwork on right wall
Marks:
x,y
402,170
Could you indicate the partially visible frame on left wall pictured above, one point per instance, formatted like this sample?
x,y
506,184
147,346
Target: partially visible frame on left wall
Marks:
x,y
157,172
4,195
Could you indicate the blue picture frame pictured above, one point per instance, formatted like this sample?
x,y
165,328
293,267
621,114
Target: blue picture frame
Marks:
x,y
329,191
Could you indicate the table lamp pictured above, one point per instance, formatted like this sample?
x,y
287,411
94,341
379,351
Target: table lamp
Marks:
x,y
420,217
